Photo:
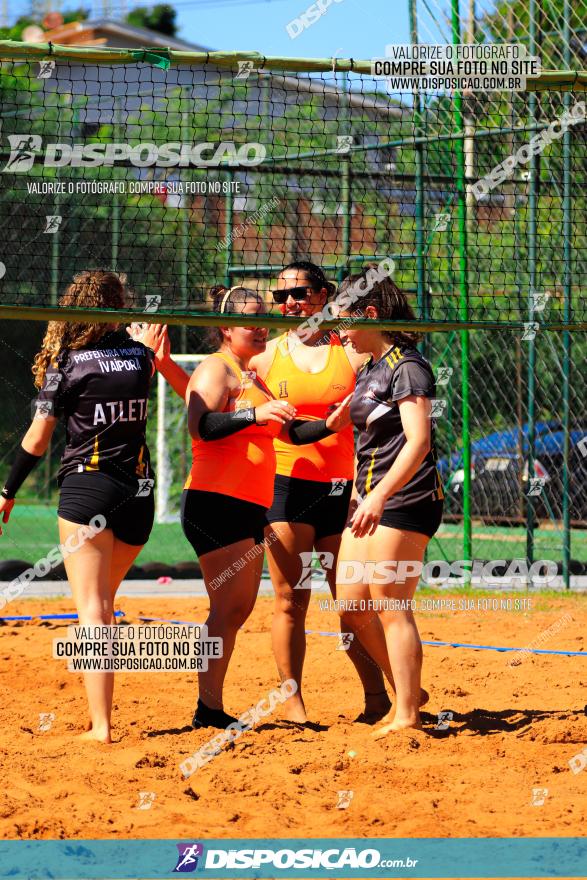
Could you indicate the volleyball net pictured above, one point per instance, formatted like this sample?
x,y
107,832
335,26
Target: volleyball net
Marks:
x,y
187,170
220,168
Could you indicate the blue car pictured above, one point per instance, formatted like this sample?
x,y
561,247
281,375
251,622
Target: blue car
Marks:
x,y
500,485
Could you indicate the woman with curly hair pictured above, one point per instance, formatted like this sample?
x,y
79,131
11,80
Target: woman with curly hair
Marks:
x,y
96,380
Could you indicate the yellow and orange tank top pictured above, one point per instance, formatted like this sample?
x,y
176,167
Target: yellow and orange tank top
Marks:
x,y
312,394
242,465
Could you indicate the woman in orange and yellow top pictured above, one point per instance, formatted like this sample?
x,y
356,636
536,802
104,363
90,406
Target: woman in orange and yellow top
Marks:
x,y
312,484
233,419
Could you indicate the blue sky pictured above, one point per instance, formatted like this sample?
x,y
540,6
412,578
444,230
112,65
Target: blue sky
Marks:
x,y
357,28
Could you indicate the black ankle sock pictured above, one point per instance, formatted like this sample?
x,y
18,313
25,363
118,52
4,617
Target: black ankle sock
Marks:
x,y
206,717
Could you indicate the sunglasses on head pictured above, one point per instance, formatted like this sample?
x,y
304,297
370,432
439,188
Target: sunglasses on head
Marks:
x,y
297,293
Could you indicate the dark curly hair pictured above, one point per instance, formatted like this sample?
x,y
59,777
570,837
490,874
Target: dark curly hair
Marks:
x,y
90,289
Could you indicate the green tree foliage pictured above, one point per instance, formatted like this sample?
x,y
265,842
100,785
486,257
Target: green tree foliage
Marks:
x,y
76,15
510,22
15,32
155,243
160,18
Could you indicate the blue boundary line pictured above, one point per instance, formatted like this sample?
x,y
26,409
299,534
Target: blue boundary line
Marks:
x,y
475,647
53,616
313,632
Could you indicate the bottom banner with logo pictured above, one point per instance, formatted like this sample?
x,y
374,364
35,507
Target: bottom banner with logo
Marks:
x,y
340,858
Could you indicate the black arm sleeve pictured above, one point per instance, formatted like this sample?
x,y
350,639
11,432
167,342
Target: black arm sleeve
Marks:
x,y
216,425
308,431
23,464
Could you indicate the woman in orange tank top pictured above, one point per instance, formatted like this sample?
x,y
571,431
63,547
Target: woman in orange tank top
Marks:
x,y
233,419
313,483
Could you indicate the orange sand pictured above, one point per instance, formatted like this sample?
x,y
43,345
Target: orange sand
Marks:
x,y
514,729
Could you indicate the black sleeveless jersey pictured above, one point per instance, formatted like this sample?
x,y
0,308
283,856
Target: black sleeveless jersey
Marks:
x,y
401,372
101,393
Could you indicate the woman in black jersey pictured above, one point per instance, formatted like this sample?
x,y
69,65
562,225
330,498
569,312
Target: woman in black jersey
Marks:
x,y
96,379
397,495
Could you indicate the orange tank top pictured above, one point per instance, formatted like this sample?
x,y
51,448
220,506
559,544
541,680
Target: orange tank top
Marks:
x,y
312,394
243,464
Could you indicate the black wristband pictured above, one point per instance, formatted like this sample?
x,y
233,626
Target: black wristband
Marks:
x,y
22,465
308,431
216,425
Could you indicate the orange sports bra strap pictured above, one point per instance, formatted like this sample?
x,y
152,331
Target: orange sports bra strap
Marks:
x,y
231,363
340,351
282,347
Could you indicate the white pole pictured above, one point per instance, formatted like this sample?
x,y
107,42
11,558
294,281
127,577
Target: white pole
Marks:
x,y
162,481
166,421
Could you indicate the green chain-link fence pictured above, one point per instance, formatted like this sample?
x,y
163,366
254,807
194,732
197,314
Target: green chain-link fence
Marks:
x,y
318,160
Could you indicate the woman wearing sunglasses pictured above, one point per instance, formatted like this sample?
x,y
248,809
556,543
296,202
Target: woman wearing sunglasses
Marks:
x,y
312,483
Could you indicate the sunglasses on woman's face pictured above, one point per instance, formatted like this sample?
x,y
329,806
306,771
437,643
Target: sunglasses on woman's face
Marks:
x,y
297,293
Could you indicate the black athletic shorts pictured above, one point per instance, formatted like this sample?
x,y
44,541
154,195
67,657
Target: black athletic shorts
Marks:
x,y
130,516
322,505
424,517
211,520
